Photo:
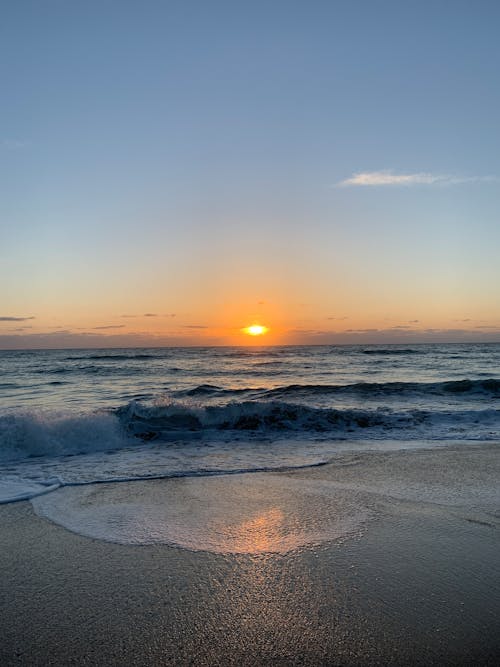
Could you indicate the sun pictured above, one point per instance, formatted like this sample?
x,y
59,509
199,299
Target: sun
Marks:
x,y
255,330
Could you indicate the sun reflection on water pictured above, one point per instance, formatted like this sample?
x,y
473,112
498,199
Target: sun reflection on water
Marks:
x,y
263,532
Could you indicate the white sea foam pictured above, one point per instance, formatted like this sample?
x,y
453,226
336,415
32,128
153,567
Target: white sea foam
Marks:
x,y
42,433
260,513
12,490
238,514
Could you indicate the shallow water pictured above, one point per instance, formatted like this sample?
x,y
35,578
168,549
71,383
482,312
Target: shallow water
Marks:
x,y
270,513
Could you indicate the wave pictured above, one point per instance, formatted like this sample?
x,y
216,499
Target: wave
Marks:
x,y
149,422
210,390
91,369
488,385
34,434
386,351
113,357
485,387
273,364
29,434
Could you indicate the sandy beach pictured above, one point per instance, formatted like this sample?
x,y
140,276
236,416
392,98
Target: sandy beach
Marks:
x,y
413,579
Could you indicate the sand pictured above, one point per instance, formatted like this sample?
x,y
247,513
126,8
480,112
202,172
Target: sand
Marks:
x,y
413,580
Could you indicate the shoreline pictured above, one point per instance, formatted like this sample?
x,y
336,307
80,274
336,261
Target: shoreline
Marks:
x,y
417,584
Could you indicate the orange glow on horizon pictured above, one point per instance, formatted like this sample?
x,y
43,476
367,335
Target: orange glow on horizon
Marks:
x,y
255,330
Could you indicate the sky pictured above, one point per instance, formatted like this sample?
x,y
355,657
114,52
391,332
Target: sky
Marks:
x,y
172,172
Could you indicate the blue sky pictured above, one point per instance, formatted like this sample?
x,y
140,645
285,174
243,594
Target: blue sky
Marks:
x,y
332,159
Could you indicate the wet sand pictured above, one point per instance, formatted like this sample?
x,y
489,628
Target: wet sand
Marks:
x,y
415,580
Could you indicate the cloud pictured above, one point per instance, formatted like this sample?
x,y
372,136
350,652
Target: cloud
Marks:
x,y
111,326
309,332
403,327
151,315
488,326
13,144
6,318
469,332
195,326
362,331
392,335
65,339
388,177
338,318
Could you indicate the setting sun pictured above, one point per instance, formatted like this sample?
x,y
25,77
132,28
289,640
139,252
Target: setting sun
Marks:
x,y
255,330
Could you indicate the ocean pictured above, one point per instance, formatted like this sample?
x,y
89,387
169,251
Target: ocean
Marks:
x,y
76,417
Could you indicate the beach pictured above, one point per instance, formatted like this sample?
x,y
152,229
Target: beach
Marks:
x,y
250,334
402,568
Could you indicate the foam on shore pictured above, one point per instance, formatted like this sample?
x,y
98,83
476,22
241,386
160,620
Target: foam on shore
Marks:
x,y
278,513
248,513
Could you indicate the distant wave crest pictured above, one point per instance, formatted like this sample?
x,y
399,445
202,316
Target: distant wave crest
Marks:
x,y
490,387
112,357
389,350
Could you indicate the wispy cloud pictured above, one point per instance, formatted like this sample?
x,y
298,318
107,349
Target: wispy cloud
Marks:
x,y
111,326
64,338
13,144
150,315
389,177
362,331
308,332
7,318
494,327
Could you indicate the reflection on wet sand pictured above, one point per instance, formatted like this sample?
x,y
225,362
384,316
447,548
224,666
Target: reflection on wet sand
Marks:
x,y
262,533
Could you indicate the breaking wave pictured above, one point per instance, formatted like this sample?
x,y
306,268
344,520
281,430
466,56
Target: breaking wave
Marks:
x,y
156,421
30,434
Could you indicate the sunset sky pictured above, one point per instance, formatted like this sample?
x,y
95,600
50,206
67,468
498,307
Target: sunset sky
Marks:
x,y
172,172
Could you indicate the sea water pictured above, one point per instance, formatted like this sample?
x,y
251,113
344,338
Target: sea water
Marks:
x,y
80,416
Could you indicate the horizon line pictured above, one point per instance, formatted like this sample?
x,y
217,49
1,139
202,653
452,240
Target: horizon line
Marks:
x,y
250,347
